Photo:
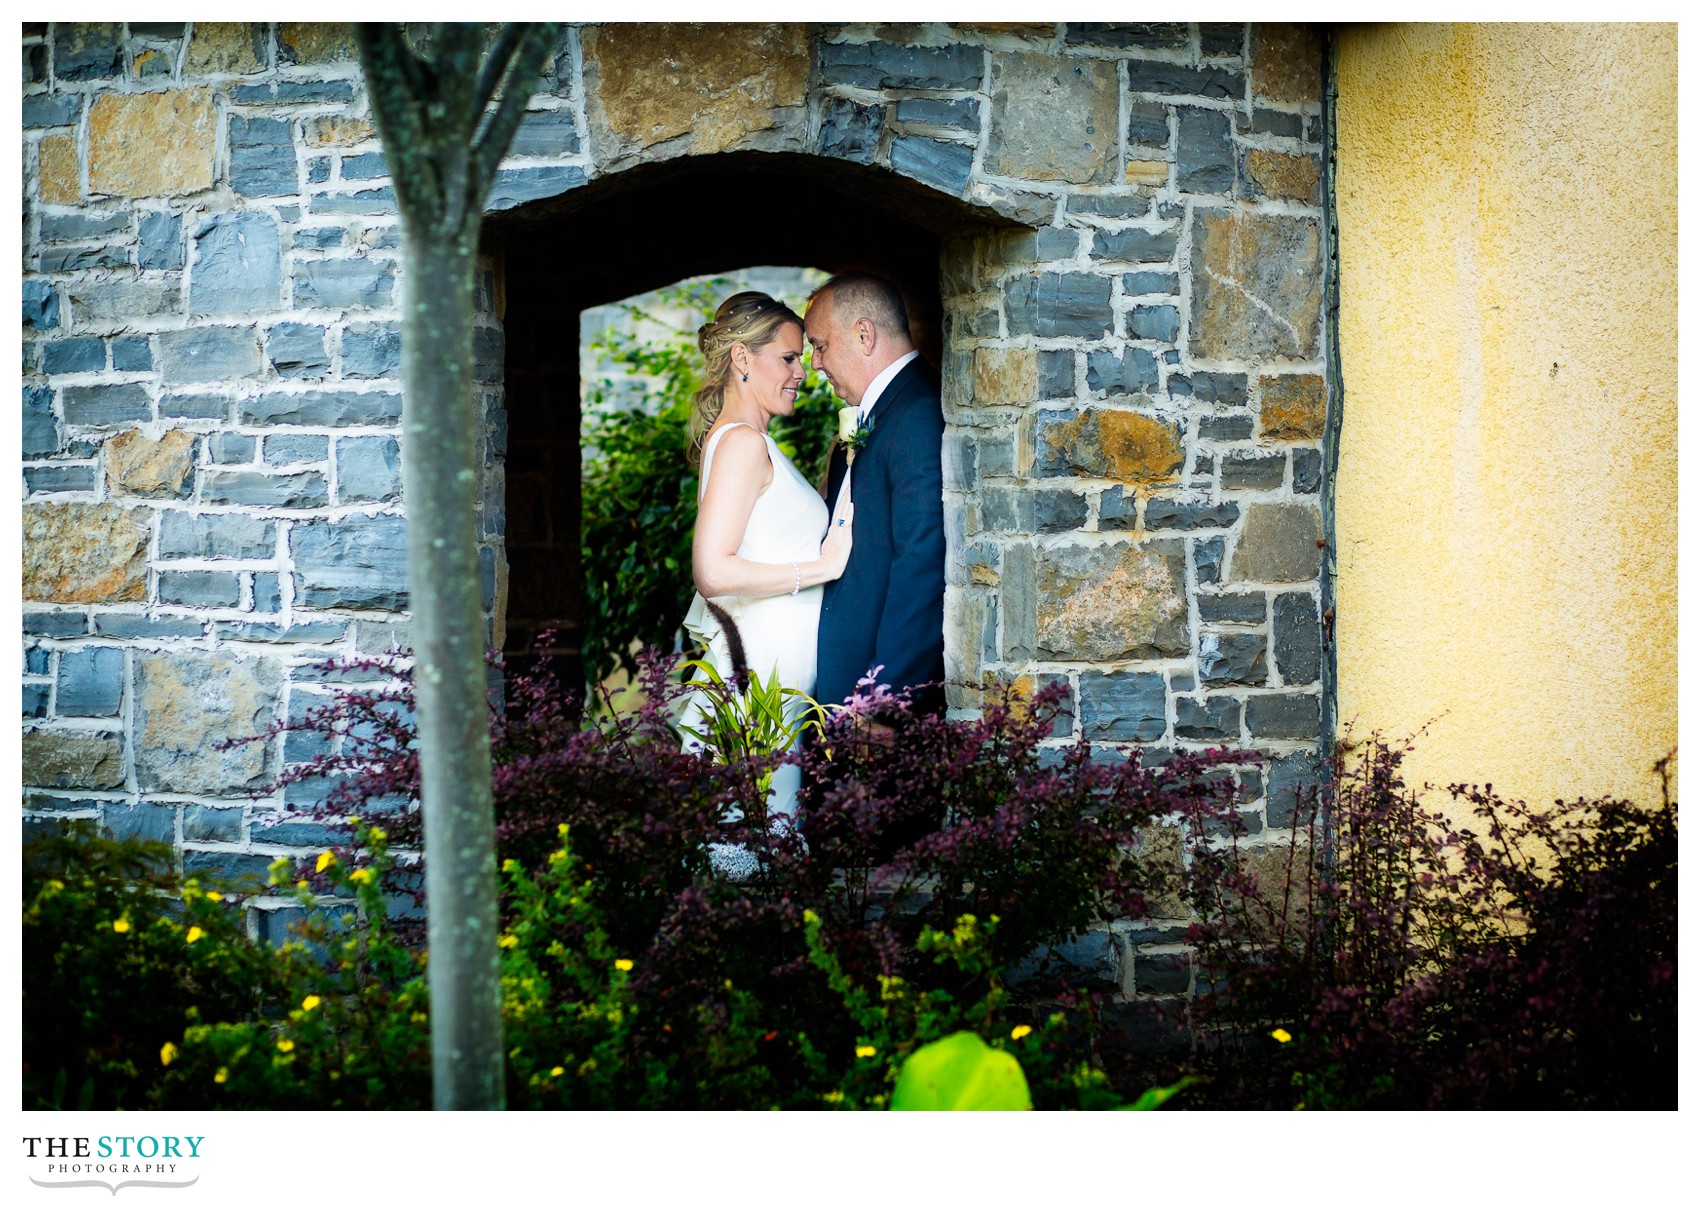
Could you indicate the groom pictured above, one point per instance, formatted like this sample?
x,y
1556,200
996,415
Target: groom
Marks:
x,y
887,610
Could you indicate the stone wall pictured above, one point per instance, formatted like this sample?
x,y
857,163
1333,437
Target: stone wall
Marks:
x,y
1133,372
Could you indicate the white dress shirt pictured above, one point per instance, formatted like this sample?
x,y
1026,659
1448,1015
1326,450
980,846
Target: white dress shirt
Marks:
x,y
883,380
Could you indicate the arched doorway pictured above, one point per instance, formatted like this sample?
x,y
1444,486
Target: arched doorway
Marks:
x,y
648,227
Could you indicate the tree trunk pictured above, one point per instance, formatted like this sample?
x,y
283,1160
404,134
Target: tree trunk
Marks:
x,y
444,135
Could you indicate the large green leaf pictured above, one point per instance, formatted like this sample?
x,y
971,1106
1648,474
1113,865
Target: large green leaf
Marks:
x,y
961,1073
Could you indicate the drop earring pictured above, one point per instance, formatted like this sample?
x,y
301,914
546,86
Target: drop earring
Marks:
x,y
745,376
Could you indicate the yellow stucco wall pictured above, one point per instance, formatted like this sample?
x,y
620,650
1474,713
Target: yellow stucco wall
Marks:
x,y
1507,487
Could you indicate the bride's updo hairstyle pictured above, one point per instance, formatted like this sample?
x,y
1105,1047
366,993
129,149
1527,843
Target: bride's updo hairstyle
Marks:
x,y
748,318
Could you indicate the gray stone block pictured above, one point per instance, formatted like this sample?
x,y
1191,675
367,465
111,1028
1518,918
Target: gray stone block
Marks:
x,y
91,681
1134,244
195,406
1182,683
488,354
88,50
131,353
141,822
995,454
1298,639
1232,608
1162,973
344,282
238,264
545,132
377,238
1148,124
115,301
879,65
945,166
303,490
41,305
355,562
1252,471
199,587
1212,719
1111,602
1126,373
371,351
1150,282
140,627
1057,510
1056,374
82,478
299,92
296,833
268,593
55,624
1118,509
328,408
231,447
53,109
35,660
1122,706
75,355
202,823
955,113
40,426
517,186
1231,428
1127,35
1154,324
1181,80
1294,783
364,166
231,869
1307,470
1162,513
1274,122
1059,305
215,536
1129,205
83,226
368,469
318,238
1204,151
65,260
1233,658
323,632
198,355
1056,243
1216,38
262,157
297,350
106,404
318,170
283,448
35,695
1284,716
1279,543
380,201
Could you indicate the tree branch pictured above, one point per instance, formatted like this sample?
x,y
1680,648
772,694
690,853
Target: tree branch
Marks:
x,y
519,77
396,82
496,64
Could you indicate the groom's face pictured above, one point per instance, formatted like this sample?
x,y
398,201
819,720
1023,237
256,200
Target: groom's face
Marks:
x,y
836,354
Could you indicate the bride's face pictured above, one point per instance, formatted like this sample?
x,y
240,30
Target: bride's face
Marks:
x,y
776,372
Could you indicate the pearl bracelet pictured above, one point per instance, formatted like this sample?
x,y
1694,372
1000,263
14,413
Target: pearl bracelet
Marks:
x,y
798,572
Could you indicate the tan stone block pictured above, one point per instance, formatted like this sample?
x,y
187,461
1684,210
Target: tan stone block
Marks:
x,y
1256,286
1053,119
1286,63
721,84
1278,544
60,179
1160,852
1005,376
1148,172
137,465
1112,602
1294,408
79,760
1030,31
338,131
150,62
146,145
1279,175
186,704
315,41
1115,445
75,552
225,46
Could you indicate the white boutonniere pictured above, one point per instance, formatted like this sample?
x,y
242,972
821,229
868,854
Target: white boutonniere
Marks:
x,y
853,431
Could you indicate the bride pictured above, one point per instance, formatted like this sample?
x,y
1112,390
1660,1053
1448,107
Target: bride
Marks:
x,y
758,553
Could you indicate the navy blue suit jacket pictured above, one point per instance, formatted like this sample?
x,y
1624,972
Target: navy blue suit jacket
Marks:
x,y
888,607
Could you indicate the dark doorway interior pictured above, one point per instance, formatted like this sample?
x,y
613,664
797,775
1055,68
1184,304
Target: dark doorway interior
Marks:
x,y
645,228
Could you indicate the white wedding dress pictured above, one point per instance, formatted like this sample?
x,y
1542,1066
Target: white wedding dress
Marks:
x,y
778,632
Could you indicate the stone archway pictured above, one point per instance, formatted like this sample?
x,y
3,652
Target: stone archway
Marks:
x,y
647,227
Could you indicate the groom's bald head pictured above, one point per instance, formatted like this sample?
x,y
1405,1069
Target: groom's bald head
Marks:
x,y
858,326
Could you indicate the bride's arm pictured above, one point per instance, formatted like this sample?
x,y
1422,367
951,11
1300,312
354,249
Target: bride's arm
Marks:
x,y
741,470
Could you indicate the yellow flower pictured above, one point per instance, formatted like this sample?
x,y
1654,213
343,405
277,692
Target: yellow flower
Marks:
x,y
509,940
325,860
310,1001
222,1076
362,876
286,1045
556,1071
866,1050
377,835
196,934
624,965
121,926
215,896
1281,1035
167,1052
1020,1032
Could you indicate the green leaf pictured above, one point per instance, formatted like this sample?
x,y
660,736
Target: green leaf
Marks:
x,y
961,1073
1158,1095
